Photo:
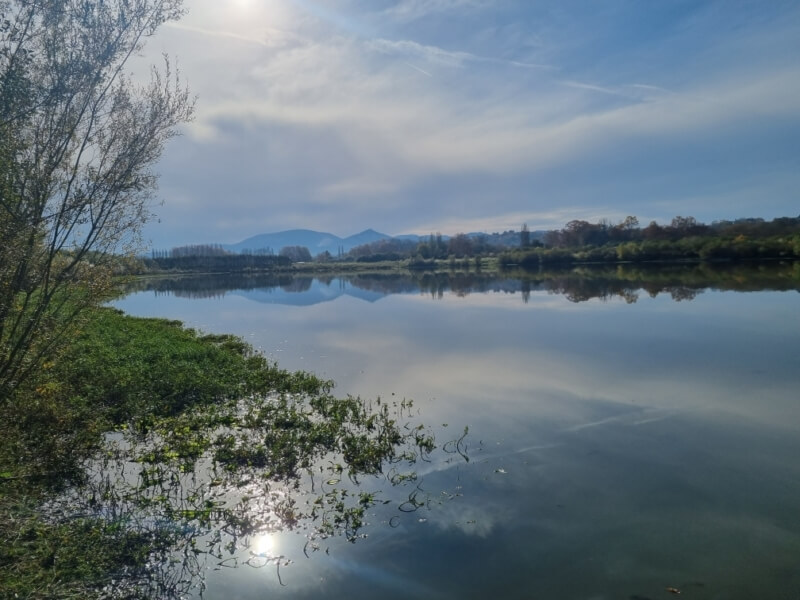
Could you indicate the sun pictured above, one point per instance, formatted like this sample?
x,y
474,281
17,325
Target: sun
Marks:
x,y
253,15
242,5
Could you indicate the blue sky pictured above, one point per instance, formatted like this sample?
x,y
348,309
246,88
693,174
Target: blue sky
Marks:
x,y
413,116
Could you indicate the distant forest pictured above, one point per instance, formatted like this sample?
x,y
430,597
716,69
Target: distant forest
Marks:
x,y
683,239
215,262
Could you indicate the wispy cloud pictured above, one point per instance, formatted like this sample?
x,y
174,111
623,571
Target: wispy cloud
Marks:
x,y
302,114
592,88
268,38
410,10
430,54
439,56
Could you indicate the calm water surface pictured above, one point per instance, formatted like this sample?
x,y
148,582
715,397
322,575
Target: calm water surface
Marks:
x,y
616,448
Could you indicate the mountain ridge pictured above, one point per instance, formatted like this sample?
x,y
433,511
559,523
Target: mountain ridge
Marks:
x,y
320,241
315,241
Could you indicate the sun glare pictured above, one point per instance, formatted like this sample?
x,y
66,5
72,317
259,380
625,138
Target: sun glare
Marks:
x,y
263,545
256,12
242,5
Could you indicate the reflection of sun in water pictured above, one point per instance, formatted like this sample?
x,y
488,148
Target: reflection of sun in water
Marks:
x,y
263,545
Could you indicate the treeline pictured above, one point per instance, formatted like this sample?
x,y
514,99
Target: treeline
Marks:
x,y
579,233
391,249
435,247
213,257
221,263
683,239
192,250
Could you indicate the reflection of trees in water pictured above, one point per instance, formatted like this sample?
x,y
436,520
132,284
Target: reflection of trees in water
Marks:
x,y
463,283
210,286
582,290
383,283
434,284
681,282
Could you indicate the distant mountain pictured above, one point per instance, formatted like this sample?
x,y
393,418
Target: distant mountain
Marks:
x,y
315,241
318,241
365,237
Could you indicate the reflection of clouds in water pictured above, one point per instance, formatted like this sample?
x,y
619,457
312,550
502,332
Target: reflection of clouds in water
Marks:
x,y
362,342
470,519
486,364
607,442
560,488
381,578
633,418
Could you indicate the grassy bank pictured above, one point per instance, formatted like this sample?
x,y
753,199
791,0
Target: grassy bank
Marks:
x,y
184,403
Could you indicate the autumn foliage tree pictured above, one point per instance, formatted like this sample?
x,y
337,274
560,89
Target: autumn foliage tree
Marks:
x,y
78,141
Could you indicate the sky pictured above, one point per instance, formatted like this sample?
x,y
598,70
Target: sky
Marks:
x,y
418,116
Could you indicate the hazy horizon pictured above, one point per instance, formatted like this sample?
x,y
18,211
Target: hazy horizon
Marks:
x,y
417,233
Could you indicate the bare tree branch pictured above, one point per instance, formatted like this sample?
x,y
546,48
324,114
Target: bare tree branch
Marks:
x,y
78,141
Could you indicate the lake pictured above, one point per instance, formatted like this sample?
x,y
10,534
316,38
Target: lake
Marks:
x,y
626,438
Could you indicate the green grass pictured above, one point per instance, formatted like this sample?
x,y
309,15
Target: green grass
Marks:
x,y
185,403
75,558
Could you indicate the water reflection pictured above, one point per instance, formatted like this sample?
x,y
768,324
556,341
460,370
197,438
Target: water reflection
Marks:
x,y
616,448
577,285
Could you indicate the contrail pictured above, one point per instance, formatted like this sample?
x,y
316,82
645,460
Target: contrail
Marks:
x,y
416,68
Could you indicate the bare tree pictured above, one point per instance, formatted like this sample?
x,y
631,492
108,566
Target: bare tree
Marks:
x,y
78,140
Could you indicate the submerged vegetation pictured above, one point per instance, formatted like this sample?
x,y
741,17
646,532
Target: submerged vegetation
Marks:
x,y
146,449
